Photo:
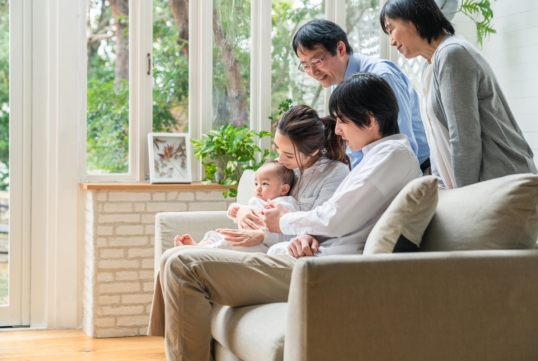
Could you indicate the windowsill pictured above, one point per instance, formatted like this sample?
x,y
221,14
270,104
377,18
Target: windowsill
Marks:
x,y
142,186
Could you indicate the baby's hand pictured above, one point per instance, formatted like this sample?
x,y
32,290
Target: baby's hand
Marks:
x,y
177,241
233,211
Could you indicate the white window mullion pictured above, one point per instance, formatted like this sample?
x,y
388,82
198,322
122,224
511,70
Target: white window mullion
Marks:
x,y
385,50
134,88
141,81
260,68
335,11
16,311
200,72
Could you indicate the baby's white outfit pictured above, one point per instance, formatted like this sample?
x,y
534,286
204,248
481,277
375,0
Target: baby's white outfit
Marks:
x,y
217,240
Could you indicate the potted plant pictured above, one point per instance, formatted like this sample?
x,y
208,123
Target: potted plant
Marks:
x,y
478,10
226,152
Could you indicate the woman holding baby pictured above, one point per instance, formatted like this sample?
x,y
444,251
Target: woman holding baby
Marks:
x,y
307,145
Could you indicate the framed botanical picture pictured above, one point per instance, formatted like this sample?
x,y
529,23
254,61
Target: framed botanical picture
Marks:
x,y
169,158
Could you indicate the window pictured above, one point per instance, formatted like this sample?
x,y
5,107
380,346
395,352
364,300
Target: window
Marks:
x,y
411,68
108,87
170,66
208,65
287,81
231,62
362,26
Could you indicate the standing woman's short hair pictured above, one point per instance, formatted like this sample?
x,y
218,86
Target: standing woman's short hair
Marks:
x,y
309,133
424,14
320,32
363,95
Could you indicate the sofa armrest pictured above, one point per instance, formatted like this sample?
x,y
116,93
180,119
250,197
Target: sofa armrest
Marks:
x,y
473,305
169,224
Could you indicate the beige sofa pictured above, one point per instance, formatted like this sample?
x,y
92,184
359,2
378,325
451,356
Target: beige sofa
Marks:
x,y
435,305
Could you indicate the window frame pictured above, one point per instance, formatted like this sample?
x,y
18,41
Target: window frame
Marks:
x,y
200,79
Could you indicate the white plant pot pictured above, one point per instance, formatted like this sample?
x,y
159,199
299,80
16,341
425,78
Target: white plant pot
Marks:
x,y
448,7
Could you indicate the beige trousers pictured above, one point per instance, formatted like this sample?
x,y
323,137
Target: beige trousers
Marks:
x,y
192,278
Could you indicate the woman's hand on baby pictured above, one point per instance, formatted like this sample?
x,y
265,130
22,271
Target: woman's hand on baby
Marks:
x,y
248,218
243,237
272,216
302,246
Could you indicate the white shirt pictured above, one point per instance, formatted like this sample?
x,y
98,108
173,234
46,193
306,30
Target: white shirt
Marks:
x,y
350,214
257,203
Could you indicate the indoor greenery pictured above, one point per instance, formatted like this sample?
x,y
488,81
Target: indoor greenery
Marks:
x,y
226,152
479,11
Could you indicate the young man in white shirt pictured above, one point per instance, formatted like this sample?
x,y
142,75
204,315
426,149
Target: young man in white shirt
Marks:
x,y
343,223
194,278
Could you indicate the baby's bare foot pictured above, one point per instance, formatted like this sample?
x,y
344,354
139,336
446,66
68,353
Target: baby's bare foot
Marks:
x,y
187,240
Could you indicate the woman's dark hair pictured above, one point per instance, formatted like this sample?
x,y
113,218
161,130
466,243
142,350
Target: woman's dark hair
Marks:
x,y
320,32
363,95
309,133
424,14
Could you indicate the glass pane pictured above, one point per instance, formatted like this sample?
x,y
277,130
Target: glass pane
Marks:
x,y
4,150
171,66
411,68
362,26
286,80
108,86
231,62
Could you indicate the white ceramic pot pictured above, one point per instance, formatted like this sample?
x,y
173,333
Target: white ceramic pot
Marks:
x,y
448,7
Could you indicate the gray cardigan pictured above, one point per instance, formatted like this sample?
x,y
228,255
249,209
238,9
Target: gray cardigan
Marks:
x,y
485,140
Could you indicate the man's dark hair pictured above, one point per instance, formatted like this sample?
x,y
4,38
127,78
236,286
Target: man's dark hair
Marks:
x,y
424,14
320,33
363,95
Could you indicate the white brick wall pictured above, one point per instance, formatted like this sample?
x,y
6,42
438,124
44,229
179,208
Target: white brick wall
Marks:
x,y
118,274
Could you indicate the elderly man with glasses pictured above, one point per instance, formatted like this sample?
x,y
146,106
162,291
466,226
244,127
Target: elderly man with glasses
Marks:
x,y
325,55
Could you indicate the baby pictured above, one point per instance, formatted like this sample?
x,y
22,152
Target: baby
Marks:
x,y
271,181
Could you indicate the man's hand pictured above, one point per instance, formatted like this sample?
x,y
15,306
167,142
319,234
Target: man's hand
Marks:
x,y
248,218
273,215
243,237
302,246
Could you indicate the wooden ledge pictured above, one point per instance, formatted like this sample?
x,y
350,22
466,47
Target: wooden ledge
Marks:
x,y
146,186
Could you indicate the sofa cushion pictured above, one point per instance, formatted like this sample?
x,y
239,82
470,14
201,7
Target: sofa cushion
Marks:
x,y
496,214
252,333
405,220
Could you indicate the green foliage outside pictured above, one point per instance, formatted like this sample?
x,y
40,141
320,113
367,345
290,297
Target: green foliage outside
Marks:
x,y
226,152
108,96
4,94
108,100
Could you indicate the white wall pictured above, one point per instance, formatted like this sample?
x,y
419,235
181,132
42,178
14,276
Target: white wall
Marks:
x,y
513,55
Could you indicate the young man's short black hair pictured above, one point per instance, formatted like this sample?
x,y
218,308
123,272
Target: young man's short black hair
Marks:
x,y
320,32
424,14
363,95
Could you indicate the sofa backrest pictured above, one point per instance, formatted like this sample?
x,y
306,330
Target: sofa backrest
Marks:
x,y
245,188
500,213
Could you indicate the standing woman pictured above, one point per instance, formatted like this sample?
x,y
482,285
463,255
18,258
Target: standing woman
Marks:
x,y
472,134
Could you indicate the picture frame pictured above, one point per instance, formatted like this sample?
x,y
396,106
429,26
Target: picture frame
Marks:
x,y
169,158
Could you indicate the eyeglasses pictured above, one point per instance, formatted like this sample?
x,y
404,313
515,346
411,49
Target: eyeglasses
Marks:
x,y
315,62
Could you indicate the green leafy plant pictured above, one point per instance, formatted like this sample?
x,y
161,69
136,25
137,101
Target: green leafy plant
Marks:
x,y
226,152
283,107
480,12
